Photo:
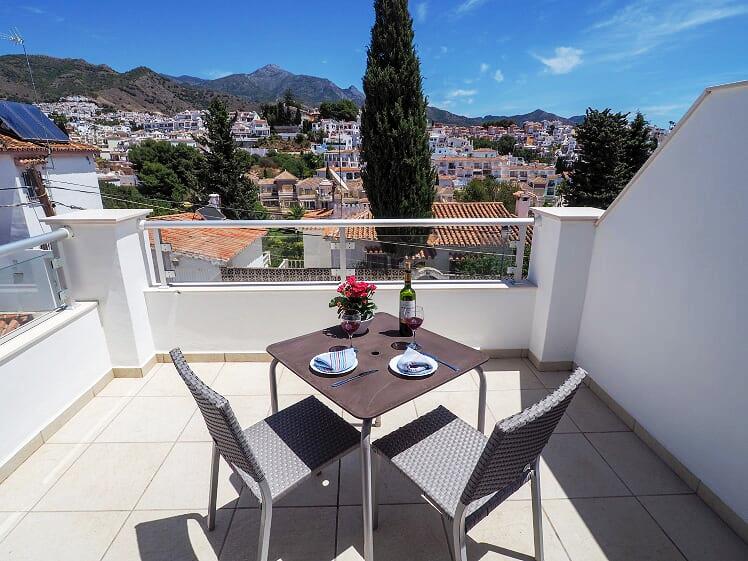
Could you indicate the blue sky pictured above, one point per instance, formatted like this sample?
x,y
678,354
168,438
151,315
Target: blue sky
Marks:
x,y
477,56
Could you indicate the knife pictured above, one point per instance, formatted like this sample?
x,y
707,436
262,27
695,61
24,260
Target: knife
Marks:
x,y
437,359
359,375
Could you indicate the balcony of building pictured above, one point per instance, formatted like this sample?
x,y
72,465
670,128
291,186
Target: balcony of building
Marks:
x,y
103,454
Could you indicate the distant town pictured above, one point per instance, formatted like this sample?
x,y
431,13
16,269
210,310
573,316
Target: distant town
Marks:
x,y
524,155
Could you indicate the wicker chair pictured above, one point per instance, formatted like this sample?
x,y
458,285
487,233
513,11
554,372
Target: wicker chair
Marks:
x,y
273,456
465,474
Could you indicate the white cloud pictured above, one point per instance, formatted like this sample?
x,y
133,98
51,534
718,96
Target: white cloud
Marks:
x,y
665,109
643,25
444,50
461,93
422,10
484,67
498,75
565,60
468,5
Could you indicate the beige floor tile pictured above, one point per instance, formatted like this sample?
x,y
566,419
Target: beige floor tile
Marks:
x,y
510,374
183,481
639,468
249,409
35,476
123,387
464,383
462,404
390,421
298,534
243,378
150,419
506,403
611,529
394,488
696,530
106,477
62,536
552,379
590,414
88,423
507,533
571,467
166,535
405,533
290,384
8,521
166,382
319,490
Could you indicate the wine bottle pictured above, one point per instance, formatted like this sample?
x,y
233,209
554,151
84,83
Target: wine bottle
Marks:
x,y
407,303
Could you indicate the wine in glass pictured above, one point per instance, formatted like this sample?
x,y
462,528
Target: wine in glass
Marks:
x,y
350,321
414,319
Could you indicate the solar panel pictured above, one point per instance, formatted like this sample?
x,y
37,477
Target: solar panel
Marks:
x,y
211,213
27,122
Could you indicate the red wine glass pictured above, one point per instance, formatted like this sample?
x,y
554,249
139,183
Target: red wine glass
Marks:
x,y
350,321
414,319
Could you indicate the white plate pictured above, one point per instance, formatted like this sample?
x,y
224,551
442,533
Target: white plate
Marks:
x,y
324,372
396,370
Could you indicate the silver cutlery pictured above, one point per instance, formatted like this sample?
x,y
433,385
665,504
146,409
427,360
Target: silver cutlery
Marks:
x,y
437,359
359,375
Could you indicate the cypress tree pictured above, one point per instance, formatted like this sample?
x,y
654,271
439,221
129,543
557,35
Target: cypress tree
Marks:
x,y
398,176
640,145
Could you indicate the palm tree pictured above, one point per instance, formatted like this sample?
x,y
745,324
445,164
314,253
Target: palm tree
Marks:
x,y
296,212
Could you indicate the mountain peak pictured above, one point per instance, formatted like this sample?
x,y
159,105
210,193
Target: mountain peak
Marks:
x,y
269,69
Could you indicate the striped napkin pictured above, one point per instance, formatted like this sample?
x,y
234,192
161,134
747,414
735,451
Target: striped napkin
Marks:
x,y
413,362
336,361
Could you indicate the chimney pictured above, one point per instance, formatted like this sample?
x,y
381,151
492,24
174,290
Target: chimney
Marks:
x,y
214,200
522,208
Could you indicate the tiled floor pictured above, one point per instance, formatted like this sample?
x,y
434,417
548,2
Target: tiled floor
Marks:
x,y
127,479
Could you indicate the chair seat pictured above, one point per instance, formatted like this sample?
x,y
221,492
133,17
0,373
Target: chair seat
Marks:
x,y
438,452
295,442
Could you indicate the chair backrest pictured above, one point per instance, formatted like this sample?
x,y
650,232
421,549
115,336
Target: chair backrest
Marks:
x,y
516,442
220,419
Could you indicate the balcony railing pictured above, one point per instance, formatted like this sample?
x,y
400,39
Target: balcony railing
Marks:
x,y
329,250
32,282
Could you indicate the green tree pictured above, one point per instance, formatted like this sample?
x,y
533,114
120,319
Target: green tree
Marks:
x,y
503,146
342,110
169,172
226,165
505,123
60,120
296,212
398,175
488,189
601,170
639,146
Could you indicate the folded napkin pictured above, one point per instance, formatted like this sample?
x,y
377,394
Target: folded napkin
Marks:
x,y
413,362
336,361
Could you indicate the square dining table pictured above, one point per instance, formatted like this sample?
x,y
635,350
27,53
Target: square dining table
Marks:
x,y
371,396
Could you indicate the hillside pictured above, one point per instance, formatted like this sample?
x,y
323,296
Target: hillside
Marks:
x,y
270,82
442,116
139,89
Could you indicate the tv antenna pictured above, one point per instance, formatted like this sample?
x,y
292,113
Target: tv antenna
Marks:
x,y
15,37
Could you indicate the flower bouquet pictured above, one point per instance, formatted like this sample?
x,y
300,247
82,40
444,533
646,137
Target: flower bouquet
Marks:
x,y
355,295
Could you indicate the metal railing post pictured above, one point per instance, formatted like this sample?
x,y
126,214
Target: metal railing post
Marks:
x,y
343,254
157,249
519,262
58,266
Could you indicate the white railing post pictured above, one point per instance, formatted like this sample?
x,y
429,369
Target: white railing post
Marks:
x,y
343,254
519,261
159,258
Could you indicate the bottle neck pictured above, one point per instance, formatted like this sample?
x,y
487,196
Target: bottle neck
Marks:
x,y
407,279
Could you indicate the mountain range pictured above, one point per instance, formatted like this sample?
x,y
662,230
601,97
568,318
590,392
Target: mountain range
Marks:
x,y
142,89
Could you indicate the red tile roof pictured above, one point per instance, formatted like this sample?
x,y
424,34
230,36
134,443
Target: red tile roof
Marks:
x,y
11,144
208,243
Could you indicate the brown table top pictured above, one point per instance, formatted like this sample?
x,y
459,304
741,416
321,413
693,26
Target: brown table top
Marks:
x,y
375,394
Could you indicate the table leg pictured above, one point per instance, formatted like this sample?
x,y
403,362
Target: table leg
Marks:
x,y
481,399
273,387
366,482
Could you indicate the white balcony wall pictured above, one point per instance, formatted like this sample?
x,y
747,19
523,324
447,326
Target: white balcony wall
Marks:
x,y
47,369
665,318
247,319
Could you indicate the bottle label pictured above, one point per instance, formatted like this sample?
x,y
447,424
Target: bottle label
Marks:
x,y
407,308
